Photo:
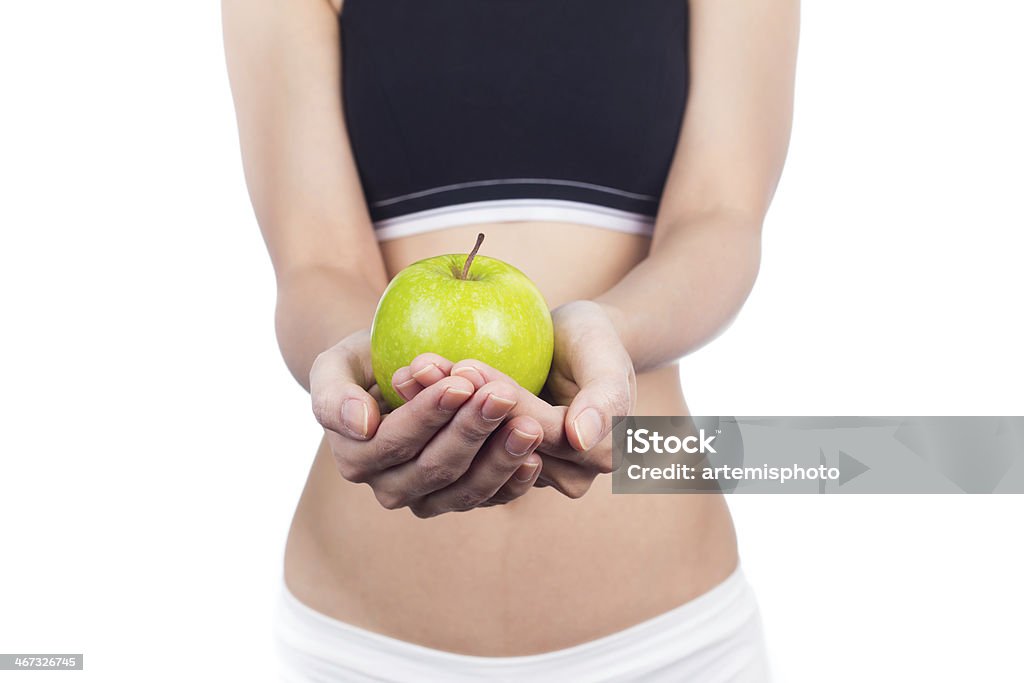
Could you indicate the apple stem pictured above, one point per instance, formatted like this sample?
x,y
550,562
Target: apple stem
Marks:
x,y
469,259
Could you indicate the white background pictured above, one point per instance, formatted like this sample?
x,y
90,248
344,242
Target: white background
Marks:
x,y
153,445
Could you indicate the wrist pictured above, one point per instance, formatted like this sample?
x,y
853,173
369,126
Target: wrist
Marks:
x,y
587,317
617,317
591,312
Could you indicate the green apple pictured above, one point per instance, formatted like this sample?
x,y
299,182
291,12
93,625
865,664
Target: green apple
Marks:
x,y
462,306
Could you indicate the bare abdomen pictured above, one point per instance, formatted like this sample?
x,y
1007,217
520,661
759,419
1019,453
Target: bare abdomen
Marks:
x,y
542,573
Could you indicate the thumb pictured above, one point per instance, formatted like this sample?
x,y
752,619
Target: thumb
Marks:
x,y
338,383
607,385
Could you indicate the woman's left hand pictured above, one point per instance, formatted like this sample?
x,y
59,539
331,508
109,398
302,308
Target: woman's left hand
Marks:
x,y
591,381
591,372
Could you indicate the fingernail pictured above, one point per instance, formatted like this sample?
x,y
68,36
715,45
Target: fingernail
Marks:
x,y
526,471
519,443
452,398
407,384
356,417
588,428
496,407
472,374
422,372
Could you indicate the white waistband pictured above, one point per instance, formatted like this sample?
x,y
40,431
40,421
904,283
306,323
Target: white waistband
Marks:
x,y
506,210
715,637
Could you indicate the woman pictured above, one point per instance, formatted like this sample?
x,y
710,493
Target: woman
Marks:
x,y
623,155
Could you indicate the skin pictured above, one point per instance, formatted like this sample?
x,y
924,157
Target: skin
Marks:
x,y
543,556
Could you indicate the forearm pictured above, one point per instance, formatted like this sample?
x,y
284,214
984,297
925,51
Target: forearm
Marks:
x,y
688,290
318,307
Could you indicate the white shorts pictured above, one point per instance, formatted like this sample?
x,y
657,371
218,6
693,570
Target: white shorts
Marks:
x,y
714,638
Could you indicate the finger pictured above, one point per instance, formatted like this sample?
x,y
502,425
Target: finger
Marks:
x,y
429,368
521,482
507,451
449,454
551,418
338,383
567,478
404,433
411,426
597,460
477,369
468,369
405,384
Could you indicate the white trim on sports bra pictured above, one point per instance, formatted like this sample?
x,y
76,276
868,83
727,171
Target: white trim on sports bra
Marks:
x,y
516,181
514,210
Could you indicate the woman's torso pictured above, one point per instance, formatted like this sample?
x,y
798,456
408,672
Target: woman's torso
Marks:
x,y
544,572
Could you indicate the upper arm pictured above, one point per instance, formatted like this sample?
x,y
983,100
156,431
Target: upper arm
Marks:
x,y
285,69
739,112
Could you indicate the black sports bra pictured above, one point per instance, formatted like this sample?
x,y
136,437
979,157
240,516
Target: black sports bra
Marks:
x,y
476,111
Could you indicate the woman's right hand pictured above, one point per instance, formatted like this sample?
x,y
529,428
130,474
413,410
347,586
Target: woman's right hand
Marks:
x,y
448,449
569,466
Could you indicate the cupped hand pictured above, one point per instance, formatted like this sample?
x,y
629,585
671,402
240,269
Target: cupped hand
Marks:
x,y
591,372
454,446
592,375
